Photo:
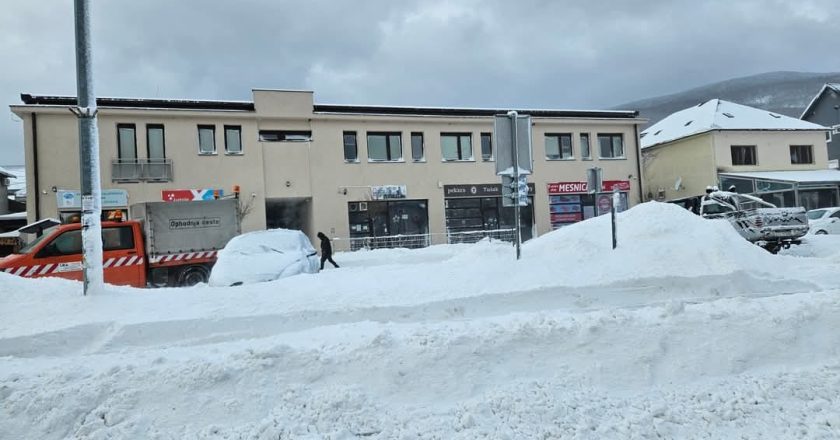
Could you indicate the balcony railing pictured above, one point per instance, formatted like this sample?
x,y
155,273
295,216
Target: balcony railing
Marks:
x,y
137,170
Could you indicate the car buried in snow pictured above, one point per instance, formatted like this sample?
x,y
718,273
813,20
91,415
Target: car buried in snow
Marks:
x,y
262,256
757,221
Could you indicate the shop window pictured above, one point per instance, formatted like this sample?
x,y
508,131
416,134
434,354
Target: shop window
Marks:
x,y
611,145
585,151
486,146
558,146
783,199
155,142
206,139
384,147
127,142
818,198
418,153
743,155
769,185
801,154
456,146
351,150
233,139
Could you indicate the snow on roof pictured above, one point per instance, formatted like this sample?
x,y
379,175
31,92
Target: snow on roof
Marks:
x,y
717,114
807,176
13,216
810,106
6,173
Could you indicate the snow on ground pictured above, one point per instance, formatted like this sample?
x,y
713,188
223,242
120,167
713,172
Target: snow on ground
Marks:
x,y
684,331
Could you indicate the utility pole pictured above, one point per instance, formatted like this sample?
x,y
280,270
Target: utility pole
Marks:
x,y
88,153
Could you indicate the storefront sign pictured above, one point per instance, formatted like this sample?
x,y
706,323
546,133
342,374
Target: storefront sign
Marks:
x,y
554,209
72,200
581,187
478,190
566,218
189,195
388,192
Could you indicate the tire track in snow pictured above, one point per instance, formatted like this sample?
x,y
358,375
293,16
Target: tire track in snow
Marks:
x,y
110,336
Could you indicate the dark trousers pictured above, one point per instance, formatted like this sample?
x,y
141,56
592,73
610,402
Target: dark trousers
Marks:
x,y
325,258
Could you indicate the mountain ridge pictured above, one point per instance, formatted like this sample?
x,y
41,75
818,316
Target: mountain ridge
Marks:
x,y
783,92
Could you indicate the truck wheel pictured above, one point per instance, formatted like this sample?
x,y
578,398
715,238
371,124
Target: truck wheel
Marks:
x,y
821,232
773,248
192,275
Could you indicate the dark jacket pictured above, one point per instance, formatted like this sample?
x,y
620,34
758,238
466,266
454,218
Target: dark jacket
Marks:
x,y
326,246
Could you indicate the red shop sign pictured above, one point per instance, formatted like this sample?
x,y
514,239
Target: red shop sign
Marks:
x,y
566,218
581,187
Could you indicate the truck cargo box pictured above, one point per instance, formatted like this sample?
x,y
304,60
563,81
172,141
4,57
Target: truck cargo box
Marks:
x,y
177,227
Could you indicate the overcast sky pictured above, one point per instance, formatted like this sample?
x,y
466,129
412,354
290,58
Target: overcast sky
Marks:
x,y
496,53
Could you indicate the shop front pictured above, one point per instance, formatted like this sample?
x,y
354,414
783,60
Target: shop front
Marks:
x,y
570,202
475,211
388,220
810,189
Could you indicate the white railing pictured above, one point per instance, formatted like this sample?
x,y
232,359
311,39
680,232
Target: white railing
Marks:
x,y
135,170
415,241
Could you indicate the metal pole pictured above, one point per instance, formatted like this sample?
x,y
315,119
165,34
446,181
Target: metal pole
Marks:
x,y
88,152
616,199
513,115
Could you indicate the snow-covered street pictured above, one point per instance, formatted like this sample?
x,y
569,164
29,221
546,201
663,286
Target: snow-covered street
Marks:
x,y
685,331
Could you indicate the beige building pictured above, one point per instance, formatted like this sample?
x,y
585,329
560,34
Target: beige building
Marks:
x,y
426,175
781,159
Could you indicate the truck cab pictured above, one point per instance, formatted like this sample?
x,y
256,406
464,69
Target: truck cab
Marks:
x,y
58,253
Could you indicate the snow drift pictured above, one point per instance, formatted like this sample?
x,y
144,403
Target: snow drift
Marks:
x,y
573,341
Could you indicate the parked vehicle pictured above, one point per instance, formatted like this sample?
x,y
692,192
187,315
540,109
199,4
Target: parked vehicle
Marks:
x,y
759,222
824,221
165,244
262,256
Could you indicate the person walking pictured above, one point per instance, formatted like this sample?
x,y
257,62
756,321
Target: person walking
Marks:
x,y
326,250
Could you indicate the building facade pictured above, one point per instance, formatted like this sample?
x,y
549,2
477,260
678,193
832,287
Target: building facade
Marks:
x,y
730,145
824,110
357,173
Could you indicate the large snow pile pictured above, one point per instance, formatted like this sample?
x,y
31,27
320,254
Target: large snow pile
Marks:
x,y
684,331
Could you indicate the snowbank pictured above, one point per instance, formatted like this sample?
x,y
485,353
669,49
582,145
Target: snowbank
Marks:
x,y
685,330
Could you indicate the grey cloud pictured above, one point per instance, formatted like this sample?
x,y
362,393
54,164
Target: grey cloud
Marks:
x,y
532,53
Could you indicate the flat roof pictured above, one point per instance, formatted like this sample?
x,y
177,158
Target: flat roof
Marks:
x,y
463,111
805,176
182,104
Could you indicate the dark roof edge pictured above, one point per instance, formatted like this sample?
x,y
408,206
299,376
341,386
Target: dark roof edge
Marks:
x,y
180,104
442,111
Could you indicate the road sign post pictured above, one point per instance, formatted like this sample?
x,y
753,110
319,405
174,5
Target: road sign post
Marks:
x,y
514,162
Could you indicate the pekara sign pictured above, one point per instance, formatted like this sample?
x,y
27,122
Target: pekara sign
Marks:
x,y
189,195
581,187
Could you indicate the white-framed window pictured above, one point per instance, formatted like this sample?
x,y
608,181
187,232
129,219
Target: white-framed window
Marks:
x,y
418,152
206,139
585,147
127,142
384,146
611,145
233,139
456,146
351,148
558,146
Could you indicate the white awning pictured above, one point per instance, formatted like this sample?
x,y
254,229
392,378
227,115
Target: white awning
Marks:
x,y
809,176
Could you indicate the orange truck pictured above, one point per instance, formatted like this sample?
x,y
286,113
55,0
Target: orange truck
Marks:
x,y
164,244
